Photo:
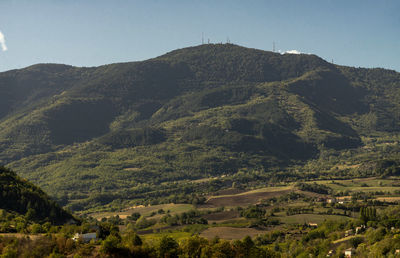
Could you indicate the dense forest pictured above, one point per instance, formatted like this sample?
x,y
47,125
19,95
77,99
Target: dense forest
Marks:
x,y
23,198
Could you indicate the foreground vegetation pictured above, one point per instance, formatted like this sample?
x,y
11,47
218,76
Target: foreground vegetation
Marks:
x,y
309,218
22,197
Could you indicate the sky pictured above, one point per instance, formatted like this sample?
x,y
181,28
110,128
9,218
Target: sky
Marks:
x,y
360,33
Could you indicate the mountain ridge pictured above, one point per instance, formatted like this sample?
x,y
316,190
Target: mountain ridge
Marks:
x,y
192,113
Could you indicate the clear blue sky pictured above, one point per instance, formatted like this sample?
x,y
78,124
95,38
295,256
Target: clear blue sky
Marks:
x,y
362,33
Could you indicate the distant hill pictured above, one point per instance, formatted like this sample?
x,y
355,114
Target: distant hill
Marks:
x,y
22,197
96,134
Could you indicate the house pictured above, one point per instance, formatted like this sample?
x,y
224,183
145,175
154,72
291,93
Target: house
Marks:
x,y
343,200
360,229
86,238
349,252
312,224
331,200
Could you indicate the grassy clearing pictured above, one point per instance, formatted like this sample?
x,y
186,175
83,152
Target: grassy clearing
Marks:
x,y
344,239
234,223
376,189
260,190
389,199
247,198
371,184
154,238
298,204
145,211
310,218
222,216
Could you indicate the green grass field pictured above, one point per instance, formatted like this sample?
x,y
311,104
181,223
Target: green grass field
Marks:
x,y
155,237
371,184
145,211
247,198
310,218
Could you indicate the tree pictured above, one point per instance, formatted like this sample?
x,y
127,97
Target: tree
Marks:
x,y
110,244
30,214
132,239
367,214
223,249
168,247
36,228
193,246
9,252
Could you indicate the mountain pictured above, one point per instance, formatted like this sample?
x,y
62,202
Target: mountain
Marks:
x,y
22,197
89,136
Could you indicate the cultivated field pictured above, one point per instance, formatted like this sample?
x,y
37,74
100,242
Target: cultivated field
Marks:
x,y
310,218
246,198
144,210
222,216
389,199
225,220
155,237
230,233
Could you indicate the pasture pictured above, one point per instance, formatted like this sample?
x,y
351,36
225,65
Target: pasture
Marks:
x,y
144,210
310,218
245,199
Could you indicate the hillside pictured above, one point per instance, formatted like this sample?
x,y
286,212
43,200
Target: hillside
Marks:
x,y
21,197
132,131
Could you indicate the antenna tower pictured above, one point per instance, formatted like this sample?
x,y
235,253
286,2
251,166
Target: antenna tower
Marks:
x,y
273,46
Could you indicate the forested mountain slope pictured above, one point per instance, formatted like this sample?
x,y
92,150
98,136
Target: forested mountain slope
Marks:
x,y
91,135
22,197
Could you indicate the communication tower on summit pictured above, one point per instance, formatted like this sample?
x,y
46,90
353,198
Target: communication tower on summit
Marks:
x,y
273,46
